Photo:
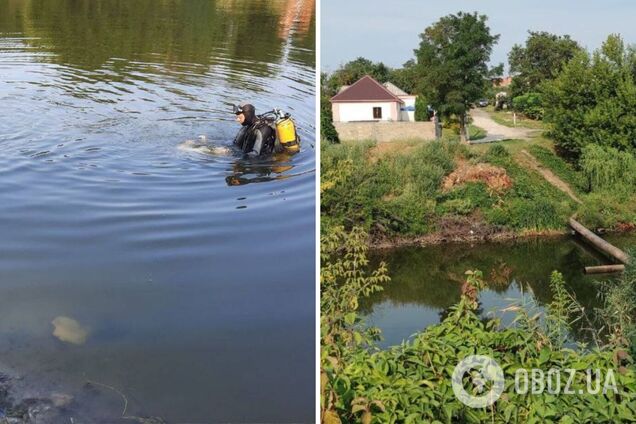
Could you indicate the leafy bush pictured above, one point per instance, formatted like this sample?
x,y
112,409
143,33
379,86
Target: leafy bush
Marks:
x,y
342,172
530,104
396,191
327,130
344,278
411,383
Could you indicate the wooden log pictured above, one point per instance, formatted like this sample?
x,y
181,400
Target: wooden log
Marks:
x,y
604,269
599,243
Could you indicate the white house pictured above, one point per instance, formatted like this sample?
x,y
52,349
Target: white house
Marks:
x,y
368,100
407,110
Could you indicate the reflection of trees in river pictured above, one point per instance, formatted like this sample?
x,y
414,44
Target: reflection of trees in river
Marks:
x,y
241,35
432,276
10,16
246,171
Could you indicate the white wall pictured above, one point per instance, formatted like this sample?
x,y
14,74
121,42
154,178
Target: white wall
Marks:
x,y
353,112
382,131
409,101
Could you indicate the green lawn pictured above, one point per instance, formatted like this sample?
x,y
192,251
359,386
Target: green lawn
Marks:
x,y
476,133
504,117
513,146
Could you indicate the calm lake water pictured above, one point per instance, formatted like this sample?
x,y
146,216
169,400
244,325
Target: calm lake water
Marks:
x,y
181,276
427,281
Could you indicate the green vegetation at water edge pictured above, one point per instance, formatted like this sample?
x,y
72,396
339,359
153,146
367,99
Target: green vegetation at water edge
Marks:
x,y
605,181
402,192
328,131
531,203
396,191
564,170
411,383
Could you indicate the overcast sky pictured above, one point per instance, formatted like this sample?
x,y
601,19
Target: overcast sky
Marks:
x,y
388,30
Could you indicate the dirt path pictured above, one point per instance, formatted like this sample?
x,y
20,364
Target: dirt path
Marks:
x,y
495,131
529,161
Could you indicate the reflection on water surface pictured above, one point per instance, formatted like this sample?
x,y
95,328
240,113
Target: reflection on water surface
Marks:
x,y
425,282
128,258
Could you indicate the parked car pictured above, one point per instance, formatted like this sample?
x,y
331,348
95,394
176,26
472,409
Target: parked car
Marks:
x,y
482,102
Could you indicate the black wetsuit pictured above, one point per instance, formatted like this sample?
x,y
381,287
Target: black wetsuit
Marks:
x,y
256,137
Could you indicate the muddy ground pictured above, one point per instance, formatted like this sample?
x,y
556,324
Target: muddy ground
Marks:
x,y
94,404
458,229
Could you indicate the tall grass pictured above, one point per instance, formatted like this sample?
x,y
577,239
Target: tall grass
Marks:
x,y
395,191
532,203
619,310
564,170
608,168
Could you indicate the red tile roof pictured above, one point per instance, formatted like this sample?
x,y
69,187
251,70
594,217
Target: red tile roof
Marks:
x,y
503,82
366,89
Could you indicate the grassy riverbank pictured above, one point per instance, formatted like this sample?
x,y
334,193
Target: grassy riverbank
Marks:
x,y
429,192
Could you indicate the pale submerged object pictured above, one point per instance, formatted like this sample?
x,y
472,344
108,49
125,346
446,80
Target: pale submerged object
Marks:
x,y
68,330
201,145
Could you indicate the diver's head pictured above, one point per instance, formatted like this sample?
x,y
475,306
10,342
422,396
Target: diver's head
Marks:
x,y
245,114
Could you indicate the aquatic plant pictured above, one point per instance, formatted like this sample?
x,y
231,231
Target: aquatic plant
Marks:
x,y
619,310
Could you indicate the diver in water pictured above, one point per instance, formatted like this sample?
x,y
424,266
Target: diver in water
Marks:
x,y
256,137
261,135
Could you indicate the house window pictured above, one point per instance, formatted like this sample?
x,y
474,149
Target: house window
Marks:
x,y
377,113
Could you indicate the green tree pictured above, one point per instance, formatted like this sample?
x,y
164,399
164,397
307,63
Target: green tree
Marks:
x,y
593,100
541,59
421,109
352,71
452,62
406,77
327,130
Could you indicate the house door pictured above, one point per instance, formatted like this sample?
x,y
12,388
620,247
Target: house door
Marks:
x,y
377,113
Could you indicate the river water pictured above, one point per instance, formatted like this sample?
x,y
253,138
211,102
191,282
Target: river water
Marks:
x,y
426,281
173,272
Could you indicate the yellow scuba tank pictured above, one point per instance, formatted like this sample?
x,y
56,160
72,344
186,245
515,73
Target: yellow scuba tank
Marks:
x,y
286,133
